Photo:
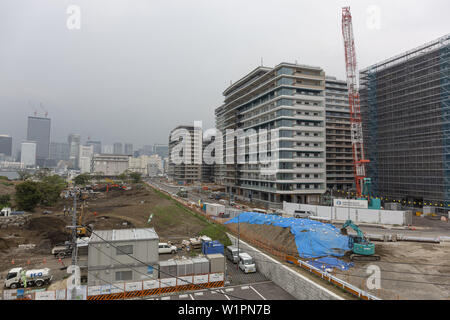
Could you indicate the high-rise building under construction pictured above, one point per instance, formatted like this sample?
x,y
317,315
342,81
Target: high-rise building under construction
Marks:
x,y
406,119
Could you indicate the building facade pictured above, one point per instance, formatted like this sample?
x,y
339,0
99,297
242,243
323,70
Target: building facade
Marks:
x,y
39,131
59,151
190,170
118,148
339,155
109,262
6,145
28,153
85,159
109,164
128,149
289,98
405,110
97,146
74,141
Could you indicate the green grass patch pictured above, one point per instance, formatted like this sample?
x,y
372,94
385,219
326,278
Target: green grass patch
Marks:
x,y
216,232
169,215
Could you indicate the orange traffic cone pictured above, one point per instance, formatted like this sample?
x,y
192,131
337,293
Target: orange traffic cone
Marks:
x,y
12,261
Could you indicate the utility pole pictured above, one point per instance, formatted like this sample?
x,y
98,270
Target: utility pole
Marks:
x,y
74,228
239,237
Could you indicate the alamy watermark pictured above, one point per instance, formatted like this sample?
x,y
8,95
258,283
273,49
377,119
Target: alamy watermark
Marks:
x,y
232,146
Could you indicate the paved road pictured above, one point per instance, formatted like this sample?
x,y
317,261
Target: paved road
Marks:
x,y
255,291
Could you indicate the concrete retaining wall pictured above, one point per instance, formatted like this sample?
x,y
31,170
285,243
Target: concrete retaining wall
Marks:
x,y
294,283
390,217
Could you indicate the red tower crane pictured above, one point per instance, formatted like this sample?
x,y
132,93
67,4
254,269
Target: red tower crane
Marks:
x,y
359,160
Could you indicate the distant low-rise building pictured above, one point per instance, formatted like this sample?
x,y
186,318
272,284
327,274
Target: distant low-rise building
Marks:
x,y
110,164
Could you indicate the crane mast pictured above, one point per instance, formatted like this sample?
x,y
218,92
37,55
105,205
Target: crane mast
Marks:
x,y
359,160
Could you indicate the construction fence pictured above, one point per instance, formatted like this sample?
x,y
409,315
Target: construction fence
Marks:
x,y
123,290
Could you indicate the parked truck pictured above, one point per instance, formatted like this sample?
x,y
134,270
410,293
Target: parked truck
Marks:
x,y
19,277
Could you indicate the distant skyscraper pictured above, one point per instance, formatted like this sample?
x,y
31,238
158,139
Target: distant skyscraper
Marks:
x,y
97,146
39,131
146,150
118,148
59,151
6,145
28,153
128,149
74,143
107,149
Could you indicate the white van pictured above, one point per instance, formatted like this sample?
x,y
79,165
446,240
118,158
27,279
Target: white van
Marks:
x,y
302,213
246,263
231,252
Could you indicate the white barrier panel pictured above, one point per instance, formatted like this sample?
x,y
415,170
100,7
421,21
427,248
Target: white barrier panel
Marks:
x,y
9,294
325,212
201,279
105,289
45,295
60,294
168,282
151,284
94,290
185,280
80,293
392,217
133,286
117,288
213,277
368,216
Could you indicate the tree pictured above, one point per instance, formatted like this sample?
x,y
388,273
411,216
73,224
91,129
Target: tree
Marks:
x,y
28,195
51,187
5,200
82,179
42,173
136,177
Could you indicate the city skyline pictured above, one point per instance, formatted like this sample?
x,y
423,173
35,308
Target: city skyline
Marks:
x,y
82,81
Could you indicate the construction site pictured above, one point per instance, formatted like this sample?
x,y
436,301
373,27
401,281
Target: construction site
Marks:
x,y
386,238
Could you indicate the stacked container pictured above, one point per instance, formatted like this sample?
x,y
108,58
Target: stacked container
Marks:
x,y
167,269
201,265
185,267
216,262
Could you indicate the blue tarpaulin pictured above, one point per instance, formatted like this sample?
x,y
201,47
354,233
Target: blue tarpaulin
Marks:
x,y
330,263
314,239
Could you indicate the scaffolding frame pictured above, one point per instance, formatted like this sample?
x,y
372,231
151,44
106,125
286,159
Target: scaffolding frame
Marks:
x,y
406,120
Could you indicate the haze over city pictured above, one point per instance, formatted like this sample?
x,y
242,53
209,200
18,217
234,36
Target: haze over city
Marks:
x,y
135,70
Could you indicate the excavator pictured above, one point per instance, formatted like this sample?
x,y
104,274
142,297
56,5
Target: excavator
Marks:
x,y
362,249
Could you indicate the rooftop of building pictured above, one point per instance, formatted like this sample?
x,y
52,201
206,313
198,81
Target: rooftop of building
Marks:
x,y
116,235
418,51
261,71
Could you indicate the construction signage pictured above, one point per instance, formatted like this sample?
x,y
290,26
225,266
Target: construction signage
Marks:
x,y
348,203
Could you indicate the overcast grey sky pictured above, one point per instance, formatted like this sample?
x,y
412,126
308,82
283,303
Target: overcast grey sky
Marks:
x,y
137,68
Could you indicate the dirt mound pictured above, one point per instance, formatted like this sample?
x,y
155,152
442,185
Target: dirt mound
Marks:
x,y
4,246
278,238
52,229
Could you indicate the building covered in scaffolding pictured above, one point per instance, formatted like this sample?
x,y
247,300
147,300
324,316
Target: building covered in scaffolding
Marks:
x,y
405,108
